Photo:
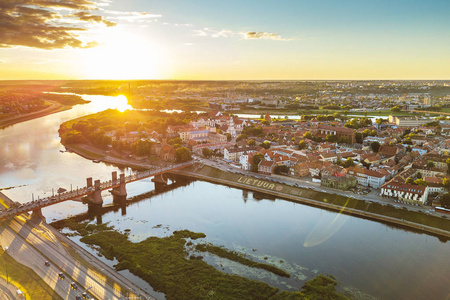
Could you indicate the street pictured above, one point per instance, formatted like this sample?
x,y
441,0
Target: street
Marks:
x,y
372,196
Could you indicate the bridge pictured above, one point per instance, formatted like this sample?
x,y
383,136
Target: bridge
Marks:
x,y
92,192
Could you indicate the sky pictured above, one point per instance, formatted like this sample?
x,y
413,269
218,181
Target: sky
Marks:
x,y
224,40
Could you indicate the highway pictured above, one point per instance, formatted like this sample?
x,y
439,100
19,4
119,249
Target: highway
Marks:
x,y
33,245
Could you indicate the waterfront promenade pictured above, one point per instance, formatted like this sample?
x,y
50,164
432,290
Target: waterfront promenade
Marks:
x,y
287,190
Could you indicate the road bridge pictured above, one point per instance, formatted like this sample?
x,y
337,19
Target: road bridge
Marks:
x,y
92,191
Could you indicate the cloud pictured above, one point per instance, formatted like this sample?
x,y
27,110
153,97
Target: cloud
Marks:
x,y
214,33
252,35
131,16
249,35
87,17
42,23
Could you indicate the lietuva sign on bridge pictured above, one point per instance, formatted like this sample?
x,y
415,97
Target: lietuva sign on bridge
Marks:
x,y
92,191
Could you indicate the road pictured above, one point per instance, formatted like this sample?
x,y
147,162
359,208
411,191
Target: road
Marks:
x,y
373,196
33,245
7,290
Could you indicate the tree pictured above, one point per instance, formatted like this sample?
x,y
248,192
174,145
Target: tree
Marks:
x,y
251,142
265,122
410,181
446,183
265,145
445,200
119,133
420,182
331,138
396,108
174,141
375,146
344,140
257,158
301,145
358,137
447,161
281,169
419,175
228,136
183,154
307,135
349,163
241,137
206,152
430,164
366,132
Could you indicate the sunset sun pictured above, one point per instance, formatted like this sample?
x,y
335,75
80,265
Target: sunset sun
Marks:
x,y
123,55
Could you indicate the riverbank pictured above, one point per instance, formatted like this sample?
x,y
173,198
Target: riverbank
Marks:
x,y
366,209
54,108
175,266
418,221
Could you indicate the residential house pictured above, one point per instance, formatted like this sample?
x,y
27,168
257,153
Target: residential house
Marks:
x,y
340,183
266,167
414,194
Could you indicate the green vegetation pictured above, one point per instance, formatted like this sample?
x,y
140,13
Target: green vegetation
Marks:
x,y
25,279
98,129
342,201
445,200
67,100
235,256
320,288
358,122
165,265
182,154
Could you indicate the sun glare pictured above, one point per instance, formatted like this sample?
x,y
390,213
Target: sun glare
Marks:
x,y
123,55
122,103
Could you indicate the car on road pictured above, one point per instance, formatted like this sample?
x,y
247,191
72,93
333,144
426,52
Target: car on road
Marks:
x,y
74,286
47,263
61,275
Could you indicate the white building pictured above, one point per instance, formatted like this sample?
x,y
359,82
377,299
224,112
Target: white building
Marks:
x,y
234,154
368,178
243,161
414,194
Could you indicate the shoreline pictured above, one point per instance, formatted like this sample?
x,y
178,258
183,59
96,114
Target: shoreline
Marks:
x,y
55,108
341,209
296,198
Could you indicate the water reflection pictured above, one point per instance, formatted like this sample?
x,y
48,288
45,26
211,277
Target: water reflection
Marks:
x,y
30,157
367,257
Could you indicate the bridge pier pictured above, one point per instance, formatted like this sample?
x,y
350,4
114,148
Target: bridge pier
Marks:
x,y
37,215
95,199
160,182
120,192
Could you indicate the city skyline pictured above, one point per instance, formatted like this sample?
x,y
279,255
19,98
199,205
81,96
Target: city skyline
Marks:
x,y
291,40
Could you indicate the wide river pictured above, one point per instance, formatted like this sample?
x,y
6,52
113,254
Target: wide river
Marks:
x,y
368,258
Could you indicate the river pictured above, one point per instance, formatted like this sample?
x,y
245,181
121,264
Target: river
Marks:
x,y
368,258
